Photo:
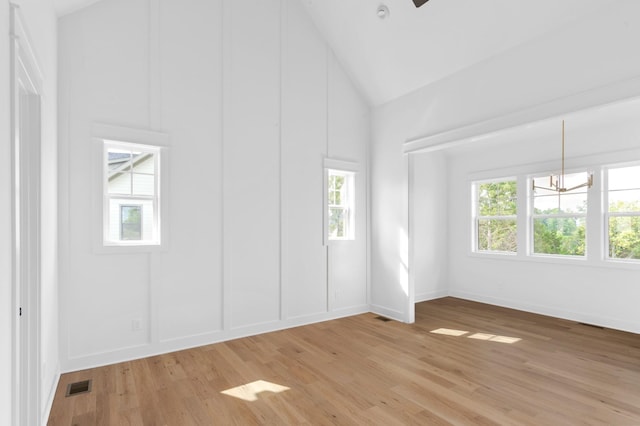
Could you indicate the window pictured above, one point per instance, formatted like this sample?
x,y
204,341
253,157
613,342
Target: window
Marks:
x,y
623,212
559,219
496,216
131,194
340,200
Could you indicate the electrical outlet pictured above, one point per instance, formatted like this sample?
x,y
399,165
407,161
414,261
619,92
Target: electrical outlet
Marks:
x,y
136,324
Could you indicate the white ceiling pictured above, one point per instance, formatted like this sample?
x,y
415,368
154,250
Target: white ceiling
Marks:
x,y
64,7
412,47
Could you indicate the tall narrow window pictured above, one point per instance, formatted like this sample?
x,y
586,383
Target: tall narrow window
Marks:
x,y
340,199
495,216
131,188
623,212
559,219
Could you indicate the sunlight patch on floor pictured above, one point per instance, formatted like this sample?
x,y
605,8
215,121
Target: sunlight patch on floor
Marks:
x,y
250,391
477,336
494,338
449,332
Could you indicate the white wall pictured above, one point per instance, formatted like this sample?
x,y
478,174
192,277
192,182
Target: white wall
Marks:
x,y
592,290
391,292
428,219
252,100
41,23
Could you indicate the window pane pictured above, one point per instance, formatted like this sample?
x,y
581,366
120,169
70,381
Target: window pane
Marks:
x,y
130,223
563,236
624,178
497,235
118,159
624,237
143,184
624,201
340,204
497,198
119,183
144,163
337,198
560,203
337,226
116,216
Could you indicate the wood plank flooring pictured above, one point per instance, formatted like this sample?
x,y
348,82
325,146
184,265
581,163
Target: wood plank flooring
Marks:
x,y
363,371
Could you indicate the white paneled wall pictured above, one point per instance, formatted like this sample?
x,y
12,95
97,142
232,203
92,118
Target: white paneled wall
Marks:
x,y
252,161
253,100
304,145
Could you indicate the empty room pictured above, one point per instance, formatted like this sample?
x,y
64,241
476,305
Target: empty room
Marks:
x,y
310,212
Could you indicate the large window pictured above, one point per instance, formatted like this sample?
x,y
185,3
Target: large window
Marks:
x,y
340,200
623,212
131,194
495,216
559,219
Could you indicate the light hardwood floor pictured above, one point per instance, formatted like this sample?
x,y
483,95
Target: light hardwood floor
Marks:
x,y
363,371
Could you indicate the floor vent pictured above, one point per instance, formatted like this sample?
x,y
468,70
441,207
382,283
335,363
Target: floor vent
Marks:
x,y
591,325
383,319
78,388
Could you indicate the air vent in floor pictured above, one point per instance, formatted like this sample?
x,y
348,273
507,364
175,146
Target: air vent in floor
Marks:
x,y
78,388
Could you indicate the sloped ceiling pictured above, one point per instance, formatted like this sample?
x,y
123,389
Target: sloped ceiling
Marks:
x,y
412,48
64,7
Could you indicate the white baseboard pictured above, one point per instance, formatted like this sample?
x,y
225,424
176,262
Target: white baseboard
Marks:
x,y
587,318
143,351
52,393
423,297
388,313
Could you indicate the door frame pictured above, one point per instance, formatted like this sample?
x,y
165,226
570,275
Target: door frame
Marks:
x,y
26,123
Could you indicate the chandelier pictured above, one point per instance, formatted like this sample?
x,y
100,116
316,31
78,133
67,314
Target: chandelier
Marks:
x,y
557,182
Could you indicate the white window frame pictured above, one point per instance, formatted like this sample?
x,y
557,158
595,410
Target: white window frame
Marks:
x,y
107,136
533,216
475,217
349,170
607,214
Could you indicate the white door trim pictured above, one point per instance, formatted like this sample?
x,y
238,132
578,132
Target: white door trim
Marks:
x,y
26,95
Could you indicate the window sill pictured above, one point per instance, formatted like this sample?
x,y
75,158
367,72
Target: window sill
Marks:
x,y
559,260
129,248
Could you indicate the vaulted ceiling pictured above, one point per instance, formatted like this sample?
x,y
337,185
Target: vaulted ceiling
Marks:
x,y
64,7
411,48
414,47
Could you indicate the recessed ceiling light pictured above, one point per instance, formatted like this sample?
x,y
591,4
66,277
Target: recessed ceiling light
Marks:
x,y
383,11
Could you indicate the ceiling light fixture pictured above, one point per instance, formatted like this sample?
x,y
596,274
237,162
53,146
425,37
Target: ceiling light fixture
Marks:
x,y
383,11
556,182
